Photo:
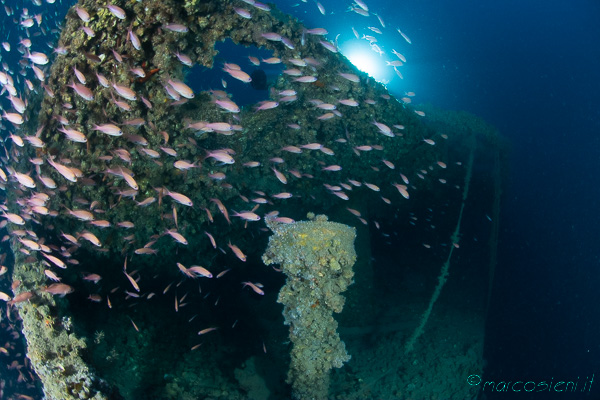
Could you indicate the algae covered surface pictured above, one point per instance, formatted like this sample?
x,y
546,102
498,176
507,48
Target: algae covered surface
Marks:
x,y
317,258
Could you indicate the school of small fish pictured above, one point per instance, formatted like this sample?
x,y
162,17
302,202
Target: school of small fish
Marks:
x,y
101,152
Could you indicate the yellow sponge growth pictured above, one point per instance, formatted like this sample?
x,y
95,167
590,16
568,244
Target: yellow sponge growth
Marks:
x,y
317,256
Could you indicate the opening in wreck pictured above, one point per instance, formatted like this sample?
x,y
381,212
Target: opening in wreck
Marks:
x,y
264,76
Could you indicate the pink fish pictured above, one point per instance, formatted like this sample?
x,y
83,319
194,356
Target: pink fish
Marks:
x,y
217,176
21,297
295,173
254,287
220,274
306,79
40,210
135,41
311,146
326,116
317,31
239,75
83,14
216,126
247,215
150,153
341,195
350,77
402,190
384,129
132,323
169,151
261,6
124,92
184,165
37,58
51,275
117,56
55,260
14,218
35,141
30,244
266,105
221,208
354,212
82,215
242,12
102,80
88,31
272,36
284,220
212,239
109,129
181,88
96,298
176,28
145,251
15,118
73,135
177,236
220,156
327,151
138,71
80,77
371,186
272,60
82,91
389,164
91,238
293,72
132,281
288,92
184,270
228,105
60,289
200,271
349,102
236,250
364,148
24,180
101,223
280,176
292,149
92,278
207,330
116,11
283,195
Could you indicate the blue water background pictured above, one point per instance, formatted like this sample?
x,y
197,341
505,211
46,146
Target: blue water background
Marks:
x,y
532,69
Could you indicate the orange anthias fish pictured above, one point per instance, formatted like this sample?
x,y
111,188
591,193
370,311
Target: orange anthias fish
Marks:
x,y
60,289
236,250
